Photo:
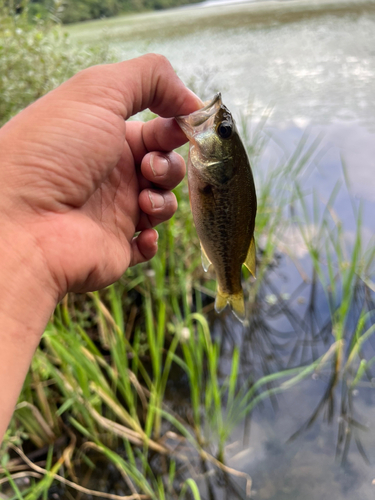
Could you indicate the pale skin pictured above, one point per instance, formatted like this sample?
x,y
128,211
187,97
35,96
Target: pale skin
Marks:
x,y
76,183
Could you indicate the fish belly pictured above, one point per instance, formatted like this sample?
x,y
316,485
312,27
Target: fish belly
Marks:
x,y
225,225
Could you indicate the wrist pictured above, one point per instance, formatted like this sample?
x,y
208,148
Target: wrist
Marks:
x,y
26,303
26,287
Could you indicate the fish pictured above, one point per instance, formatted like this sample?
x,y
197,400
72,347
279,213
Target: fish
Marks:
x,y
222,198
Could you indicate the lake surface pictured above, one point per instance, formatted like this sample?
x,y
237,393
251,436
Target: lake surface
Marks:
x,y
314,67
309,67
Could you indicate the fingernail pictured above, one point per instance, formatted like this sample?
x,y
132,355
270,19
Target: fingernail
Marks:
x,y
157,236
156,199
159,165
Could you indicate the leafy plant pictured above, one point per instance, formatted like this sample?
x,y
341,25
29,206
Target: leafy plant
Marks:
x,y
36,58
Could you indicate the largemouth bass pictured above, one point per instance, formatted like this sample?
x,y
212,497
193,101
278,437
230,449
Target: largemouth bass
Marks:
x,y
223,199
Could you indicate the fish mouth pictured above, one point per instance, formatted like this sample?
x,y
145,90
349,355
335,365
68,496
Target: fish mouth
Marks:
x,y
200,120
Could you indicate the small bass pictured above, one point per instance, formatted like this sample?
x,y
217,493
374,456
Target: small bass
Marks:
x,y
223,199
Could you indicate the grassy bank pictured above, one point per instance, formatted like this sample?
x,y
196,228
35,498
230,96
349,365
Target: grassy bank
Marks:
x,y
185,20
136,390
127,394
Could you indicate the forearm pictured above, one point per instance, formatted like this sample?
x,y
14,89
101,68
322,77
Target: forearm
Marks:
x,y
26,302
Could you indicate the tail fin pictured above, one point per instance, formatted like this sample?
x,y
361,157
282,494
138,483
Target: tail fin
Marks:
x,y
235,301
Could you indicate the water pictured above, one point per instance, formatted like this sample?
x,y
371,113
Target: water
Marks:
x,y
315,71
305,444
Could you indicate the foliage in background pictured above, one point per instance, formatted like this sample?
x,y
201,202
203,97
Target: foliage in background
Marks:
x,y
36,58
128,393
72,11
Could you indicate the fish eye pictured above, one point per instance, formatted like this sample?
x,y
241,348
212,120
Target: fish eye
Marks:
x,y
224,130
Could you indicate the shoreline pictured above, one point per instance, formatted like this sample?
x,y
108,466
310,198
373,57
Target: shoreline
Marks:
x,y
188,18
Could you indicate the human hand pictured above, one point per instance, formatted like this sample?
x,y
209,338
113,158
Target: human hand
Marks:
x,y
77,181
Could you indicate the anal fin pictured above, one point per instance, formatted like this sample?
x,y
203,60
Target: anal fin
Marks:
x,y
250,261
205,260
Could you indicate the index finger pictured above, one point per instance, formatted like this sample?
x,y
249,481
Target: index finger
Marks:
x,y
159,134
155,85
131,86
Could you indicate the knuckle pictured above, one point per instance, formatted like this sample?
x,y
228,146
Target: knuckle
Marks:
x,y
160,61
90,73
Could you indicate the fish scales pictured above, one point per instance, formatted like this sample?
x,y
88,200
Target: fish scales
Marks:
x,y
229,229
223,199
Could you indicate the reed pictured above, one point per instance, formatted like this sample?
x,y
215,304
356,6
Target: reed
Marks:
x,y
138,376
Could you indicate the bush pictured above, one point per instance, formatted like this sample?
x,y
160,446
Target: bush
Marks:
x,y
74,11
35,59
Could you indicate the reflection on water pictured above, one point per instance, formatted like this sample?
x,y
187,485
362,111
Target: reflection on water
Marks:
x,y
288,447
315,69
317,440
317,73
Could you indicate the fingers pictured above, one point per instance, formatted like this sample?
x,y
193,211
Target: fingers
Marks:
x,y
151,82
144,246
128,87
165,170
160,134
157,206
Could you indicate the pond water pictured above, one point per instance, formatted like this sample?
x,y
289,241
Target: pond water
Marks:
x,y
311,69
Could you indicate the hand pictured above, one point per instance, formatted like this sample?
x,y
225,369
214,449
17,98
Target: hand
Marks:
x,y
76,183
79,181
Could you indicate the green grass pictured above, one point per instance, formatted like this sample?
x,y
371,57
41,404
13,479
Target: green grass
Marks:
x,y
178,22
143,380
99,383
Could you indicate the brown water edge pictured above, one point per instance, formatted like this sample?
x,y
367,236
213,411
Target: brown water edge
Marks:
x,y
190,19
315,441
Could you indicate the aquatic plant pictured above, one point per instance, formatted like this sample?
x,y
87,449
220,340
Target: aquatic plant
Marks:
x,y
106,383
136,390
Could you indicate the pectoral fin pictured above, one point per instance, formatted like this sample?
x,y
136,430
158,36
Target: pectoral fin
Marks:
x,y
205,260
250,261
235,301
